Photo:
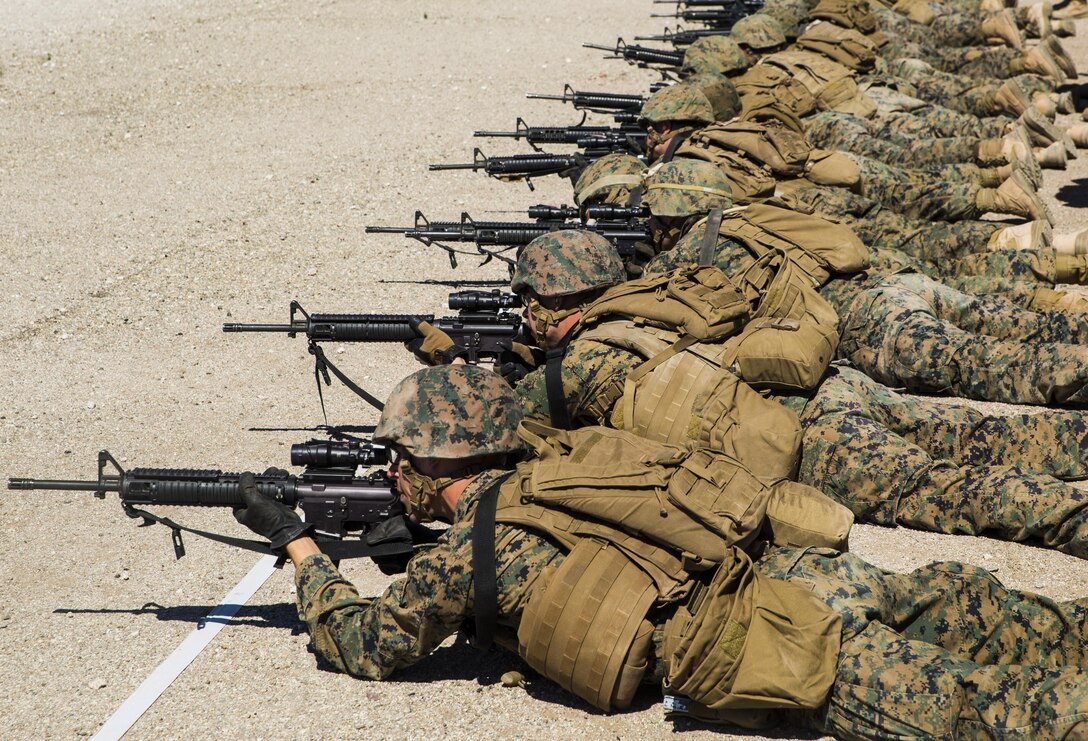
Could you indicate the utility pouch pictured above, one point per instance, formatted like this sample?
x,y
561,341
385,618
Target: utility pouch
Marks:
x,y
586,628
801,516
749,643
827,167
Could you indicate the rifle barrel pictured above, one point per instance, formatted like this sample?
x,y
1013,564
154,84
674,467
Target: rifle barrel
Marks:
x,y
60,485
295,327
508,134
457,166
388,229
541,96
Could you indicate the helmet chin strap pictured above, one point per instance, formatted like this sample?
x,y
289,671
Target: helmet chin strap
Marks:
x,y
424,489
545,318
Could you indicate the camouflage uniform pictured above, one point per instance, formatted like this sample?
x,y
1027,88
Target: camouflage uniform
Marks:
x,y
913,332
847,132
894,460
943,652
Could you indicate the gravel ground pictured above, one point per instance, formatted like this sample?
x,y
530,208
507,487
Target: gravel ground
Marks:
x,y
166,166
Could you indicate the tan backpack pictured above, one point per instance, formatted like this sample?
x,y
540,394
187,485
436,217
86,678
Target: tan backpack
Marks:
x,y
639,519
844,45
832,84
776,147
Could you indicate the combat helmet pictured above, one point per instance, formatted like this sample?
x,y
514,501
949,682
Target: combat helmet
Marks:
x,y
792,14
679,102
451,411
684,187
566,262
720,91
759,31
719,54
609,179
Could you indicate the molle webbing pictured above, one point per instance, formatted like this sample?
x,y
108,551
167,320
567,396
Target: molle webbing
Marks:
x,y
585,628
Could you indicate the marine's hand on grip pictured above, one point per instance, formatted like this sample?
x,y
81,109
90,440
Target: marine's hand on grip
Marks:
x,y
433,346
267,517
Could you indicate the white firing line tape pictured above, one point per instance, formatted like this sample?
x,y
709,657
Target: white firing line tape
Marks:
x,y
166,672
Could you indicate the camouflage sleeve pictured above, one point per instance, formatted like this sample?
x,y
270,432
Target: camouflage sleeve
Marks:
x,y
371,638
593,375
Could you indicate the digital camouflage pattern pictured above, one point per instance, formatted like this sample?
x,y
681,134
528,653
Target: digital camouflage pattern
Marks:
x,y
850,133
759,31
684,187
912,332
565,262
680,102
943,652
719,55
794,15
592,374
372,638
609,179
451,411
894,460
719,91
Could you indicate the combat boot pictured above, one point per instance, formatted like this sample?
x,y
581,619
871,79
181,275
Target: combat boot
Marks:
x,y
1061,56
1002,27
1071,11
1071,269
1052,157
1063,29
1074,243
1038,20
992,177
1079,135
1045,104
1011,98
1039,61
1042,133
1063,102
1031,235
1064,302
1014,196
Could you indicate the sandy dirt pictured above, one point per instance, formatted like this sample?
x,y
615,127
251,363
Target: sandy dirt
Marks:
x,y
168,166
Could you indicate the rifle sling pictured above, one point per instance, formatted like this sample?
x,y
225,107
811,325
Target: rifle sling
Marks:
x,y
484,576
674,144
322,365
335,549
553,385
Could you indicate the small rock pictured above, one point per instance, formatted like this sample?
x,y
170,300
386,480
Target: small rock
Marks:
x,y
512,679
96,684
89,405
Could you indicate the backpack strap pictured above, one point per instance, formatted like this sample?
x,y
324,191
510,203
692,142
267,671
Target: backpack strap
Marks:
x,y
553,385
710,237
484,576
674,144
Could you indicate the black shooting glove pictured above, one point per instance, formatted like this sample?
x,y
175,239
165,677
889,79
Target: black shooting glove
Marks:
x,y
433,346
267,517
518,361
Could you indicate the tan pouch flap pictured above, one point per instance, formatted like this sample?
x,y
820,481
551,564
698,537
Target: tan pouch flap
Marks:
x,y
784,151
827,167
844,45
801,516
836,244
752,642
782,354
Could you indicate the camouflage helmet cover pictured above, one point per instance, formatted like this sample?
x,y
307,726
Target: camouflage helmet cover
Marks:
x,y
452,411
758,31
720,91
567,261
609,179
792,14
679,102
718,54
684,187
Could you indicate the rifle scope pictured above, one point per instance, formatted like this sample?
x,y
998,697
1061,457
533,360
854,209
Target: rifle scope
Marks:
x,y
495,300
333,454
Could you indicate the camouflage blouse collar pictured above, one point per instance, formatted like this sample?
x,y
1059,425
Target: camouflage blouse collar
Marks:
x,y
472,492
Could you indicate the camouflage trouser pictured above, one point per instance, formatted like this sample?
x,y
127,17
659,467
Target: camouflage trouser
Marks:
x,y
938,122
946,192
978,63
894,460
973,96
943,652
850,133
913,332
948,30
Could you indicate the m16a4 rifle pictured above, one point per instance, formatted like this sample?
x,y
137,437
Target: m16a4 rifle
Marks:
x,y
623,233
628,138
717,14
643,56
680,36
484,329
339,503
528,166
